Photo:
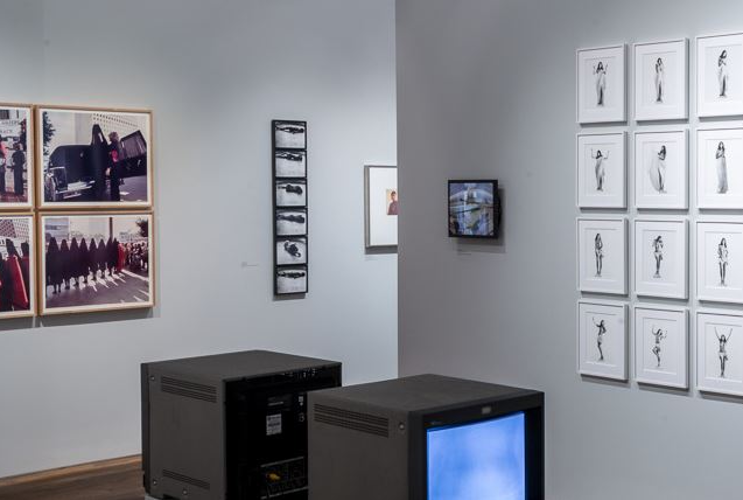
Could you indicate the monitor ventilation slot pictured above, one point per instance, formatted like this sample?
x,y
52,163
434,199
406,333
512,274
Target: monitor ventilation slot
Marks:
x,y
361,422
186,479
188,389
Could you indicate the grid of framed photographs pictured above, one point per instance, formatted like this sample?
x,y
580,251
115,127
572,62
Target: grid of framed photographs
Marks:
x,y
76,218
290,211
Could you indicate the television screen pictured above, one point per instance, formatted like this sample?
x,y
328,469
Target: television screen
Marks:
x,y
480,461
473,210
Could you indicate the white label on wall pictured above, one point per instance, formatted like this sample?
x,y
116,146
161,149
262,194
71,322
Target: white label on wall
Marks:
x,y
273,424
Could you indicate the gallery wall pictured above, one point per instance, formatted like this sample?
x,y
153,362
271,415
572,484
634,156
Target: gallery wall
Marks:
x,y
215,74
502,77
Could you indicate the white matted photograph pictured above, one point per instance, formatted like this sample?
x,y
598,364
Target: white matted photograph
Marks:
x,y
662,346
381,206
720,75
602,92
720,352
291,163
602,170
662,80
602,339
661,263
720,168
662,170
602,255
720,261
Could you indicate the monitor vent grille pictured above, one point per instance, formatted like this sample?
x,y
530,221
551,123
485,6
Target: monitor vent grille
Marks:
x,y
188,389
186,479
362,422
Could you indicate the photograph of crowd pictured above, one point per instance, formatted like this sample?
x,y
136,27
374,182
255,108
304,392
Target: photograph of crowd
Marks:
x,y
16,267
96,262
15,157
94,158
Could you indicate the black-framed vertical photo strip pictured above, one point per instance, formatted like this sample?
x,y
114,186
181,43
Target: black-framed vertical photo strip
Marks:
x,y
16,157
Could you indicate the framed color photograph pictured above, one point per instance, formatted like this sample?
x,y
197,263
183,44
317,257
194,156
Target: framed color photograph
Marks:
x,y
291,193
602,173
602,255
662,80
602,339
662,170
290,134
16,157
661,264
96,262
473,209
720,75
291,251
602,89
291,222
720,261
290,163
381,206
17,266
291,280
720,168
94,158
662,346
720,352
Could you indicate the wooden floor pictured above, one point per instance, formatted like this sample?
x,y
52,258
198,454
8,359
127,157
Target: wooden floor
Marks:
x,y
119,479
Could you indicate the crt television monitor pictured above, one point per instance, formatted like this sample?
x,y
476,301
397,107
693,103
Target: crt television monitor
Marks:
x,y
474,209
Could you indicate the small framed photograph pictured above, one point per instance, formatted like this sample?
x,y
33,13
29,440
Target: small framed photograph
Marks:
x,y
602,89
381,206
17,266
94,158
720,168
16,157
662,80
720,262
602,255
662,170
291,193
291,280
720,352
291,222
289,134
662,346
602,339
291,251
474,211
720,75
602,172
661,268
290,163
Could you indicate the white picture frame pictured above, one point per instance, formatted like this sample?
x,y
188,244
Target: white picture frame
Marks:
x,y
720,352
661,258
662,346
602,89
602,255
602,170
720,75
720,168
720,261
602,339
662,80
381,198
662,169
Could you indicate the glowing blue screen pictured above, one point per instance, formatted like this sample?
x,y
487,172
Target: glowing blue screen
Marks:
x,y
481,461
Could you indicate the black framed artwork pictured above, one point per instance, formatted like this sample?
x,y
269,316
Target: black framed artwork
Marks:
x,y
474,209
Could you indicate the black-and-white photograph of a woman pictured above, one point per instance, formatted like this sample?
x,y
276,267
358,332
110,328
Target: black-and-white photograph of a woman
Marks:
x,y
601,325
722,261
723,76
658,254
721,164
600,169
598,248
658,334
723,350
599,74
660,81
657,170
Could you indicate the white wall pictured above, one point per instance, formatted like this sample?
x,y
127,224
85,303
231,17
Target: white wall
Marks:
x,y
487,88
215,73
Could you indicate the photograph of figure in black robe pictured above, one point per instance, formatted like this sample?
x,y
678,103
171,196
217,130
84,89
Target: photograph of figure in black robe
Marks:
x,y
16,283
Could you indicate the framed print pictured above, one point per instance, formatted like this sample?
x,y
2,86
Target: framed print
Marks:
x,y
662,169
662,346
602,255
720,75
291,222
662,80
720,261
17,266
291,280
96,262
602,85
290,134
290,163
474,209
291,193
602,339
94,158
720,352
381,205
602,173
291,251
661,258
16,157
720,168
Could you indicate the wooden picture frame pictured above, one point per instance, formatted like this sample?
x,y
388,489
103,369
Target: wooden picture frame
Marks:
x,y
30,153
27,272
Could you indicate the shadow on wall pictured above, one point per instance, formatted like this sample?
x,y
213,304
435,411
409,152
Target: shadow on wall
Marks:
x,y
89,318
